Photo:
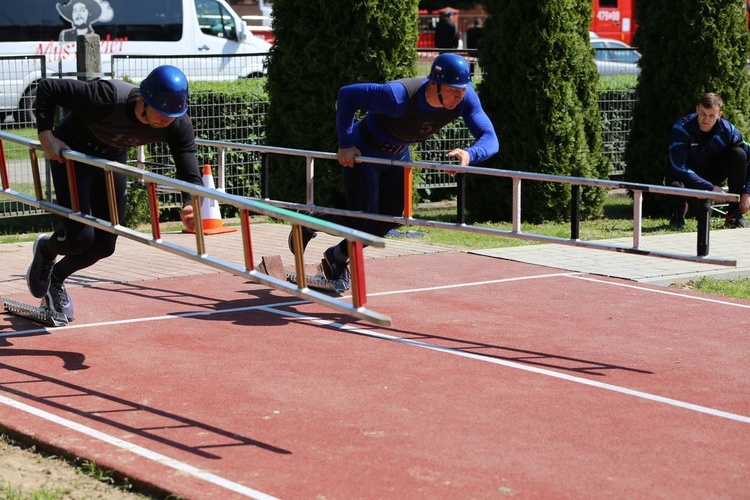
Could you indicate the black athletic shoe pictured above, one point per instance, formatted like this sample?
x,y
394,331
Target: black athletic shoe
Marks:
x,y
678,220
58,300
733,219
39,273
307,235
335,270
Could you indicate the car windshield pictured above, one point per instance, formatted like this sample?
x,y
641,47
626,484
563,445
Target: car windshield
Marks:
x,y
605,52
624,55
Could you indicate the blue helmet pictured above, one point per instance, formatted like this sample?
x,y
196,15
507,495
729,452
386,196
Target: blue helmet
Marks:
x,y
450,69
166,90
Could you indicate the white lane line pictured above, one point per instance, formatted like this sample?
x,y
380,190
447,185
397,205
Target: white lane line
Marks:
x,y
473,283
34,331
272,309
575,275
663,292
167,317
138,450
519,366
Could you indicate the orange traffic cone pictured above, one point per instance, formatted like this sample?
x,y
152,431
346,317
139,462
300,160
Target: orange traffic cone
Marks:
x,y
210,213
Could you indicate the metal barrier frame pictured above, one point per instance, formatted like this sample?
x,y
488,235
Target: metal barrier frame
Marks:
x,y
517,177
357,239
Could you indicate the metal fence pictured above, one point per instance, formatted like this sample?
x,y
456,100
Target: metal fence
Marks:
x,y
237,113
18,77
616,112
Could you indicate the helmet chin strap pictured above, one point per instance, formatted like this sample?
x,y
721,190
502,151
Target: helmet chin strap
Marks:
x,y
440,94
145,107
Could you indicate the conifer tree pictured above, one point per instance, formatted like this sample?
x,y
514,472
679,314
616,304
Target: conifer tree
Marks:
x,y
539,91
319,46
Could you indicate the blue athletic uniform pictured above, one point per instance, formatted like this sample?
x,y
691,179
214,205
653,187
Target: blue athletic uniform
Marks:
x,y
397,115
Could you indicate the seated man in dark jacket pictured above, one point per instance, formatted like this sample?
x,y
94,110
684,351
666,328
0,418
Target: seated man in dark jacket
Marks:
x,y
704,151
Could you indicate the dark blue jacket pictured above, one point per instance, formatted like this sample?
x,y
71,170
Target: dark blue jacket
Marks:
x,y
691,150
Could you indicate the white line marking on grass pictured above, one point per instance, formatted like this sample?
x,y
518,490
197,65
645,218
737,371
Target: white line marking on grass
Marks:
x,y
138,450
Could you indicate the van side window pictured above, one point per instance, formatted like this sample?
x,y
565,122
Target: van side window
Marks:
x,y
144,21
20,23
133,20
215,20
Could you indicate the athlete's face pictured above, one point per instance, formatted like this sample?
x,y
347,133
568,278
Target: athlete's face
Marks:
x,y
156,119
707,117
452,96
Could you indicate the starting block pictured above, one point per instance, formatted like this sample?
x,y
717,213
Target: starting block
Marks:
x,y
41,314
319,282
273,266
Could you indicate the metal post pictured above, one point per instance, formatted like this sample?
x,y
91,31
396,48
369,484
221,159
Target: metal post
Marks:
x,y
310,178
516,205
299,258
704,227
264,159
4,168
75,203
575,212
140,160
222,175
357,266
407,193
637,218
153,206
461,198
109,181
246,240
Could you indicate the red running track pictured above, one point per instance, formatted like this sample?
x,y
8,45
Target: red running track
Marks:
x,y
497,379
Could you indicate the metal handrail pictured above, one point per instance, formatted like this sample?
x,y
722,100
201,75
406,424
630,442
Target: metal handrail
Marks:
x,y
516,177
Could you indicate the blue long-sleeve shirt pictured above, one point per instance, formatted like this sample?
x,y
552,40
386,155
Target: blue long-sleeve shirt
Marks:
x,y
391,99
692,150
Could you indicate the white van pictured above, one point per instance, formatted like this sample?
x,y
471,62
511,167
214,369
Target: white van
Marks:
x,y
50,28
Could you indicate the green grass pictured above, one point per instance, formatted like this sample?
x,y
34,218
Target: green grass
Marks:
x,y
25,228
15,151
617,82
737,288
8,492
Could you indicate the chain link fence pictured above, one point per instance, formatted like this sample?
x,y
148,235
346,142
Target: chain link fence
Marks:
x,y
616,112
228,103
